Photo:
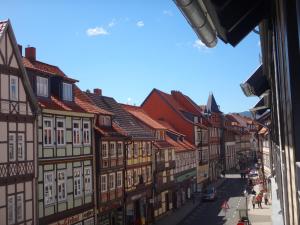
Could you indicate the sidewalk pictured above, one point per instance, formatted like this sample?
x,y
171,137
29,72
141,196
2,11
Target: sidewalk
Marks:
x,y
259,216
175,217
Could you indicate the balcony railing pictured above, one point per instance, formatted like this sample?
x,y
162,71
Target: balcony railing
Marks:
x,y
16,169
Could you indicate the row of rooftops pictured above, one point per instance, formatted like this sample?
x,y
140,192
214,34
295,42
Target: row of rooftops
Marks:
x,y
127,121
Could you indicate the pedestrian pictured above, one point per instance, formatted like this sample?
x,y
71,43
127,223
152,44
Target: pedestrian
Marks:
x,y
253,201
266,198
259,200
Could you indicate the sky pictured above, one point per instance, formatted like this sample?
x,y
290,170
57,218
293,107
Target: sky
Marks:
x,y
127,48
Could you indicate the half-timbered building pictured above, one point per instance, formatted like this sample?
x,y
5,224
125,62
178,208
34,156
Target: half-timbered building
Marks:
x,y
18,110
163,161
138,166
65,151
110,159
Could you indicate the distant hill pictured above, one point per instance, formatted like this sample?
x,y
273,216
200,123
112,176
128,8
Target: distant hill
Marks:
x,y
246,113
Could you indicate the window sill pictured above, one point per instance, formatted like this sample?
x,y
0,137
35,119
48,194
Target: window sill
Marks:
x,y
48,146
62,201
78,197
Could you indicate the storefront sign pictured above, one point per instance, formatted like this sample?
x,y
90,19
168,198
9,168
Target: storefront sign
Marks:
x,y
75,219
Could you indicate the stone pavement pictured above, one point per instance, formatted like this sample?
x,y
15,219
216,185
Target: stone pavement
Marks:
x,y
178,215
259,216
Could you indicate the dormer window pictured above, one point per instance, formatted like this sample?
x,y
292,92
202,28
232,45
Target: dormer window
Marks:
x,y
42,86
105,121
67,92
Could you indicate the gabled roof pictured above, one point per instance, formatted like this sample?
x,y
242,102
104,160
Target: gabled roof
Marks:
x,y
5,26
212,105
180,145
140,114
121,117
86,103
46,69
56,104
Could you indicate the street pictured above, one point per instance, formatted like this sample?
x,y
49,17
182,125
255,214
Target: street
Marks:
x,y
211,213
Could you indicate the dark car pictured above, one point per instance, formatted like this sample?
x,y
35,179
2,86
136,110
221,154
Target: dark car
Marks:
x,y
209,194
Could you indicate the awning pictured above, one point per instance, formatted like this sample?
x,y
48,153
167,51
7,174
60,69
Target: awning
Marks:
x,y
256,84
263,105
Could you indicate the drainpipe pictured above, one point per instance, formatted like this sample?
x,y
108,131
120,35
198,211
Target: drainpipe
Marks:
x,y
197,17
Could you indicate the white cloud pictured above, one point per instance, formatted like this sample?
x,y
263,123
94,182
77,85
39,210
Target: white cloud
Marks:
x,y
140,23
112,23
168,13
96,31
199,45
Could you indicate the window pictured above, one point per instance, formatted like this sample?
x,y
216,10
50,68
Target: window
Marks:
x,y
61,185
88,180
129,151
77,182
112,149
67,92
12,147
103,183
144,149
13,88
112,181
48,129
20,207
135,177
119,179
104,150
148,146
89,221
76,133
144,174
21,147
136,150
129,178
11,209
149,173
49,188
120,149
105,121
86,133
42,86
60,132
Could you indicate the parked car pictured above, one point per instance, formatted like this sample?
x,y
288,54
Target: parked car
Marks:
x,y
209,194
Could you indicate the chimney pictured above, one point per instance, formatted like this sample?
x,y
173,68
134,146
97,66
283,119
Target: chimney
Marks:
x,y
30,53
97,91
20,49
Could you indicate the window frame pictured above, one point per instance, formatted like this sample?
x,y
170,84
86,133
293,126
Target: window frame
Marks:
x,y
119,179
77,182
48,128
21,211
63,183
103,184
47,183
104,150
136,150
79,143
120,150
11,205
22,144
16,95
14,150
42,86
86,131
113,154
112,186
67,92
88,186
61,129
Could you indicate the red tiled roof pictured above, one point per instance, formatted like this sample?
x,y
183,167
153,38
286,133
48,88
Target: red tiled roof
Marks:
x,y
46,69
180,145
113,131
169,127
86,103
163,144
169,98
140,114
55,104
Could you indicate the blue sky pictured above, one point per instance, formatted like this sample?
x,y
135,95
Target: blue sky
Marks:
x,y
127,48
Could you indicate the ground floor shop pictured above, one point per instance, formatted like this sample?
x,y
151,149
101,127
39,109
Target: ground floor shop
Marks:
x,y
84,218
111,217
139,209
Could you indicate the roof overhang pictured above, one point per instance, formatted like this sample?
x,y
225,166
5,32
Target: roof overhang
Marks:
x,y
256,84
195,13
263,105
